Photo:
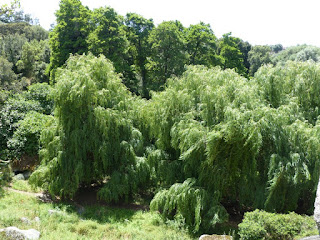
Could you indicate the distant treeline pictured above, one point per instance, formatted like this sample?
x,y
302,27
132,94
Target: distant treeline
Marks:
x,y
146,55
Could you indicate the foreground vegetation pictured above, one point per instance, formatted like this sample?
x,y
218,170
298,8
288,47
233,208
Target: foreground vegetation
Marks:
x,y
95,222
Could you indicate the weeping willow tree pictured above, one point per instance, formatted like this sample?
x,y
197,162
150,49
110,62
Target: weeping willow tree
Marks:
x,y
93,139
254,143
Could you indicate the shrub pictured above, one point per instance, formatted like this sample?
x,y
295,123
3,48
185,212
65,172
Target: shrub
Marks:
x,y
25,139
13,110
41,92
193,205
263,225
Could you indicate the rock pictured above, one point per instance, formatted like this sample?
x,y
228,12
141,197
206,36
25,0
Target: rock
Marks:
x,y
26,174
17,234
316,237
215,237
25,220
317,208
36,219
19,177
53,211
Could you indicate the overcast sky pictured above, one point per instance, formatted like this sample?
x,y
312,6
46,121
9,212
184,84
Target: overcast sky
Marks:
x,y
256,21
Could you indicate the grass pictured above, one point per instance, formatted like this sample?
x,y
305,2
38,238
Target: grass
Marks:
x,y
22,185
95,222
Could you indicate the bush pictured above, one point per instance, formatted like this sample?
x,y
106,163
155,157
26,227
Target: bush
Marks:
x,y
13,110
25,139
41,92
191,204
264,225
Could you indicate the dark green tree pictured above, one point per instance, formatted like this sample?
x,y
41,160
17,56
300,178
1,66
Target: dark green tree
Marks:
x,y
245,48
70,34
201,45
232,57
276,48
109,38
8,79
138,30
34,60
11,48
258,56
168,55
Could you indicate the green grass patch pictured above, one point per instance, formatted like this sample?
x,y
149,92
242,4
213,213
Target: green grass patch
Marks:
x,y
94,222
23,185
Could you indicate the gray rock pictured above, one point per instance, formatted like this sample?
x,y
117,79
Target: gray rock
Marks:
x,y
316,237
36,219
53,211
26,175
25,220
19,177
317,208
17,234
215,237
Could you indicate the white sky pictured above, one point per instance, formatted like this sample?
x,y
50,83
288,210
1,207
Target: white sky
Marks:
x,y
288,22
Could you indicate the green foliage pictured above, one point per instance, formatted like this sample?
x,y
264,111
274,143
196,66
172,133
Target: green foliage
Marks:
x,y
211,138
14,109
94,135
41,92
8,9
232,57
193,203
31,32
220,129
25,139
11,48
70,34
108,37
258,56
8,79
168,55
34,61
276,48
13,28
4,95
201,45
138,30
297,53
5,173
262,225
293,82
23,46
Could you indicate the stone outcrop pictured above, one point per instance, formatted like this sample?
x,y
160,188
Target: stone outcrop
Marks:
x,y
311,238
18,234
316,214
215,237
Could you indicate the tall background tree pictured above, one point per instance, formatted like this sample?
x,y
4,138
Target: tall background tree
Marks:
x,y
258,56
108,37
168,55
70,34
230,52
138,30
201,45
